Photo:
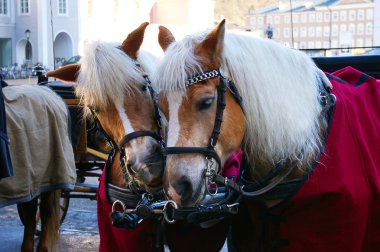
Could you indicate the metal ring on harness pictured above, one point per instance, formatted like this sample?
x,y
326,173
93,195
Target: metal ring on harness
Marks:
x,y
165,209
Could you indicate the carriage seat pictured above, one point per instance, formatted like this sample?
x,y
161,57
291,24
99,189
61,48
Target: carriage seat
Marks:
x,y
368,64
63,89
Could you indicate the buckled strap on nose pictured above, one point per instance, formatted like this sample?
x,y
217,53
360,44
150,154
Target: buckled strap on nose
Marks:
x,y
206,151
137,134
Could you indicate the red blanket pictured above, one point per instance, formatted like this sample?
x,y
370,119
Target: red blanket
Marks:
x,y
338,207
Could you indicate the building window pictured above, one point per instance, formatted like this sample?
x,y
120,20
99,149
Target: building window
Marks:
x,y
277,19
326,31
368,29
24,6
295,32
311,31
311,17
326,17
369,14
343,28
335,16
303,32
3,7
295,19
286,33
303,18
360,29
352,15
361,14
269,20
62,7
351,28
319,17
318,32
335,30
311,44
343,15
286,19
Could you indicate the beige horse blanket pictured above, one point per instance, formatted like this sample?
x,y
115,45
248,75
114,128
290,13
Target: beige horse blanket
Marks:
x,y
40,146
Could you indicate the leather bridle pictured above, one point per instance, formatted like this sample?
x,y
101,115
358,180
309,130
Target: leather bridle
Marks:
x,y
209,151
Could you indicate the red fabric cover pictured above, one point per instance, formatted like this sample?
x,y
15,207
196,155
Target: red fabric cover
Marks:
x,y
114,239
232,166
338,207
178,234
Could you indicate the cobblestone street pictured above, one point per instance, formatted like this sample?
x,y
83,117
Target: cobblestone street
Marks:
x,y
79,231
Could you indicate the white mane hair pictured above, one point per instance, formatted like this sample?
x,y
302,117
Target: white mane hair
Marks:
x,y
108,74
279,87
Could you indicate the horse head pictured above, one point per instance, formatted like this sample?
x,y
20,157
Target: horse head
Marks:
x,y
112,82
202,133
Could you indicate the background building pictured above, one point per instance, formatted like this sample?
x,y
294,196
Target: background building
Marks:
x,y
318,24
29,29
52,31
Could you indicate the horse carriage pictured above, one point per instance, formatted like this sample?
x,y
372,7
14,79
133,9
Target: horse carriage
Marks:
x,y
305,144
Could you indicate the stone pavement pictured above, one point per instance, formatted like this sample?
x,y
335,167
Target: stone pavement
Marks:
x,y
79,231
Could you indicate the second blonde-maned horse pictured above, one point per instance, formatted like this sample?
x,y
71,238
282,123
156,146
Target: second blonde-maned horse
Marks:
x,y
112,83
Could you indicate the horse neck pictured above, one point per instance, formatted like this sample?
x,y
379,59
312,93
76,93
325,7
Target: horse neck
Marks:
x,y
260,168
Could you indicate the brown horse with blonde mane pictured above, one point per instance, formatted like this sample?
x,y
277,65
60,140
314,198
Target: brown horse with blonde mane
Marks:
x,y
113,86
310,177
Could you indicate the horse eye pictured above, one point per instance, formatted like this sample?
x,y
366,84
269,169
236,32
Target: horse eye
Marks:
x,y
205,103
143,88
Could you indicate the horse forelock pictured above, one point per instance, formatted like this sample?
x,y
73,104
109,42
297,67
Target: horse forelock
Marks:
x,y
279,87
107,74
178,64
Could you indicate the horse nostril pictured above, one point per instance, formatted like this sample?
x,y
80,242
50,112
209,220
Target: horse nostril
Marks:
x,y
184,188
131,161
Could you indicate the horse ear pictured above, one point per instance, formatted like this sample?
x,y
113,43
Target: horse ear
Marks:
x,y
66,73
213,43
132,43
165,37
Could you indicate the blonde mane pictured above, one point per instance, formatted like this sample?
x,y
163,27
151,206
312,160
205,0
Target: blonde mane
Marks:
x,y
108,74
279,87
